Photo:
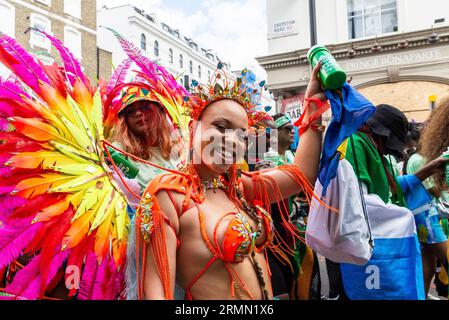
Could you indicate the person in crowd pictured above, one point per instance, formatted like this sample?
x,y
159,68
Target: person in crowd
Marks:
x,y
434,141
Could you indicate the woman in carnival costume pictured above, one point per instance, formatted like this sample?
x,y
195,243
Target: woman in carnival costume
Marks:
x,y
63,220
431,229
205,230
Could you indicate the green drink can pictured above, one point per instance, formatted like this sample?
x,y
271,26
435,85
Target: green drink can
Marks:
x,y
331,74
129,169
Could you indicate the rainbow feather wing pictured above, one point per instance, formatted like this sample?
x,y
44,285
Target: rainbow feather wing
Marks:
x,y
59,204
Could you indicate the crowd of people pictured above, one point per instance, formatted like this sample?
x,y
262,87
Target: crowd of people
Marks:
x,y
153,192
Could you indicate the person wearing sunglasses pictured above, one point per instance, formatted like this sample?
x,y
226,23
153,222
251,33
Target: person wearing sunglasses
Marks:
x,y
144,131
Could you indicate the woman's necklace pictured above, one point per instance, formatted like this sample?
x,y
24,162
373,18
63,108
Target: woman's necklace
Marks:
x,y
214,185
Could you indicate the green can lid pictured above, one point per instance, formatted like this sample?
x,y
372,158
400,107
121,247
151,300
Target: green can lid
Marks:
x,y
314,49
335,80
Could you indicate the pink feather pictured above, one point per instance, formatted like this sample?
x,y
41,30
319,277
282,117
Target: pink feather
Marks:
x,y
5,172
33,290
119,75
24,277
8,203
88,278
102,276
9,91
27,281
6,190
21,63
71,65
134,53
119,283
13,242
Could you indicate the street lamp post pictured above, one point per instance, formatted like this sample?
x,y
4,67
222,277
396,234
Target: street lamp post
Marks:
x,y
312,19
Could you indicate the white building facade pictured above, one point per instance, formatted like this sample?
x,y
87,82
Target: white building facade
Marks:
x,y
180,55
395,51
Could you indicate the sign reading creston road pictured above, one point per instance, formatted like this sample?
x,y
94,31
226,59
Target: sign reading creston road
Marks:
x,y
284,28
392,59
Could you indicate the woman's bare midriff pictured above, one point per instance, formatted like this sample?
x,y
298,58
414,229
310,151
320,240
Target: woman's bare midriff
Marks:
x,y
193,254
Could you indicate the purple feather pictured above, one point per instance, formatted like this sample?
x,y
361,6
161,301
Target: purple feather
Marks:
x,y
22,63
12,249
119,75
88,278
71,65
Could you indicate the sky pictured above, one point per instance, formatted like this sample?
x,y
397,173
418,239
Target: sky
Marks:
x,y
235,29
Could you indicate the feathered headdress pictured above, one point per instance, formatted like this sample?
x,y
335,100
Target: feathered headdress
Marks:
x,y
221,87
159,85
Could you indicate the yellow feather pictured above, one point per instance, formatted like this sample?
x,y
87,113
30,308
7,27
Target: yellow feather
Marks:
x,y
79,183
105,207
76,198
121,217
90,199
75,153
97,115
79,135
84,121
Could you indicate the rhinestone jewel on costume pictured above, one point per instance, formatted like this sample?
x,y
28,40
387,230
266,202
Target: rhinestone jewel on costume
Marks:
x,y
146,225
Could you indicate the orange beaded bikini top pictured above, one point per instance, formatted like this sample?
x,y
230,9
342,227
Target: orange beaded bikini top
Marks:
x,y
239,239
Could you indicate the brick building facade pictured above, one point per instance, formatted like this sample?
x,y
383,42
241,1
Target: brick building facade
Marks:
x,y
74,22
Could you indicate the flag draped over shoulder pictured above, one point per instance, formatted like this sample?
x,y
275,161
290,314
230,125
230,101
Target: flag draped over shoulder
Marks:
x,y
394,271
350,110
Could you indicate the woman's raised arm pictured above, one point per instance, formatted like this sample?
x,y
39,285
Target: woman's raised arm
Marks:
x,y
307,155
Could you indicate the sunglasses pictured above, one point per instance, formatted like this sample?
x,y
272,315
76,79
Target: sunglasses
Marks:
x,y
288,128
132,110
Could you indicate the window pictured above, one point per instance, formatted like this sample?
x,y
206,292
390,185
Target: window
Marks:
x,y
37,39
73,8
143,42
181,61
72,40
368,18
199,72
191,66
46,2
156,48
170,55
7,22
